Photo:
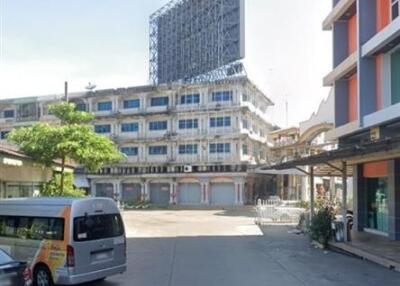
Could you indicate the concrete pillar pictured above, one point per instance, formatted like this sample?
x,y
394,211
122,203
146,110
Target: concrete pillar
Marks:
x,y
93,188
394,199
312,191
239,187
145,191
205,192
90,105
115,103
173,192
117,190
344,198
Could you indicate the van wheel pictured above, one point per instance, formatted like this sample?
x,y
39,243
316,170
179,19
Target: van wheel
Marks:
x,y
42,277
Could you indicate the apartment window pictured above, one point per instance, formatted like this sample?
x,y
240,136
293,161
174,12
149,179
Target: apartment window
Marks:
x,y
3,134
9,113
188,124
245,97
245,124
159,101
130,151
104,106
131,103
245,150
129,127
220,121
101,129
220,96
395,9
190,99
219,148
80,107
188,149
158,150
158,125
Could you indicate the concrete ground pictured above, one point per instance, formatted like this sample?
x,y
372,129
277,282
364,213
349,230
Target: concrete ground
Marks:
x,y
225,248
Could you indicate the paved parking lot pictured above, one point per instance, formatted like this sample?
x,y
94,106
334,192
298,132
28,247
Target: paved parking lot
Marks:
x,y
225,248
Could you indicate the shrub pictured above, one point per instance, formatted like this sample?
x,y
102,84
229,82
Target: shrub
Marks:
x,y
53,188
320,228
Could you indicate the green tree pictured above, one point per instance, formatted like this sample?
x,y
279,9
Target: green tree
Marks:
x,y
71,139
52,188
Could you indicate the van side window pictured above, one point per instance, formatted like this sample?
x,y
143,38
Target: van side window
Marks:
x,y
98,227
34,228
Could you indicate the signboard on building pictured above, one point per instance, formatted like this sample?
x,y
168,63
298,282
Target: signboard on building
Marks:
x,y
189,38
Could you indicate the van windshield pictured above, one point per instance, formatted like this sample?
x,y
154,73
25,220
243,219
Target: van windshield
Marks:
x,y
98,227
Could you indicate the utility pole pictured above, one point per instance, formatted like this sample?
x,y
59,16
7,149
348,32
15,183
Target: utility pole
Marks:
x,y
66,91
287,111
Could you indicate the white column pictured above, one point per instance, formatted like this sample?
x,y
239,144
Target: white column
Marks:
x,y
145,194
173,193
115,103
92,188
239,188
90,105
117,190
205,191
143,104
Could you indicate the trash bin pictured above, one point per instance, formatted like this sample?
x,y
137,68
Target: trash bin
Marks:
x,y
338,231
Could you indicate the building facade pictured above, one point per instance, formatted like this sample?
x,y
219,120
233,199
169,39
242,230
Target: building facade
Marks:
x,y
20,176
366,82
184,143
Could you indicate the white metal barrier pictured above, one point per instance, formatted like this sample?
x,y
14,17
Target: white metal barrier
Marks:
x,y
277,211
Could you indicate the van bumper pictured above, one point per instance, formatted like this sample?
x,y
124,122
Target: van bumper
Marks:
x,y
90,276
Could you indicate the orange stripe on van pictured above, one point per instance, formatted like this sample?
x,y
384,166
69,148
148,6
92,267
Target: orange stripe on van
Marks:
x,y
52,252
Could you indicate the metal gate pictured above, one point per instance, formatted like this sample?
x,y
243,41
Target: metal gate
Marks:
x,y
189,193
131,193
222,194
159,193
105,190
277,211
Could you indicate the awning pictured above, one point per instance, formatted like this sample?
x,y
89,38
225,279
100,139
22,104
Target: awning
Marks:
x,y
330,161
293,172
81,181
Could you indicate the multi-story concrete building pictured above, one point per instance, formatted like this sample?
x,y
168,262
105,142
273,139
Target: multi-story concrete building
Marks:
x,y
184,143
366,81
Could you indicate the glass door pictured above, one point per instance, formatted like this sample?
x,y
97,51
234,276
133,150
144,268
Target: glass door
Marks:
x,y
377,204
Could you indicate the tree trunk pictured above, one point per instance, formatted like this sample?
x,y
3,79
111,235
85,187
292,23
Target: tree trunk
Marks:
x,y
62,175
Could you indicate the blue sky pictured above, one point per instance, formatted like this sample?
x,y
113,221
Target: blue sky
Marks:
x,y
45,42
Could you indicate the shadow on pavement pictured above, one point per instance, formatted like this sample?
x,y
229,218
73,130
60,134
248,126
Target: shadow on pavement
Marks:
x,y
277,258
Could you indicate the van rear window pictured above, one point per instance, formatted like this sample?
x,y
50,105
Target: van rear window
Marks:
x,y
98,227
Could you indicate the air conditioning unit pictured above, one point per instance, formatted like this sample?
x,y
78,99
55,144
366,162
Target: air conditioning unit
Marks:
x,y
187,169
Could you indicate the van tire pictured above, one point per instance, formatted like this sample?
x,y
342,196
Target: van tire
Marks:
x,y
42,276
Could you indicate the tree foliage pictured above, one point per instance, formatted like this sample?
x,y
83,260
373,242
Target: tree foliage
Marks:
x,y
72,139
53,187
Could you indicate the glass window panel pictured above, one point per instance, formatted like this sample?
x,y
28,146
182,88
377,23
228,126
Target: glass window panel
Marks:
x,y
131,103
104,106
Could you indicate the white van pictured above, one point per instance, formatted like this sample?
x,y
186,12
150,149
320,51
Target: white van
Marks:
x,y
65,241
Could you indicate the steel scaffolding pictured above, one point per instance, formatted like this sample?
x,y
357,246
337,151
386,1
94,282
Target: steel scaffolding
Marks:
x,y
197,40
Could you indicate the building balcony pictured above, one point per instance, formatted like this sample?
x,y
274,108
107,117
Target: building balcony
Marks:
x,y
383,41
387,114
7,121
344,69
340,10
